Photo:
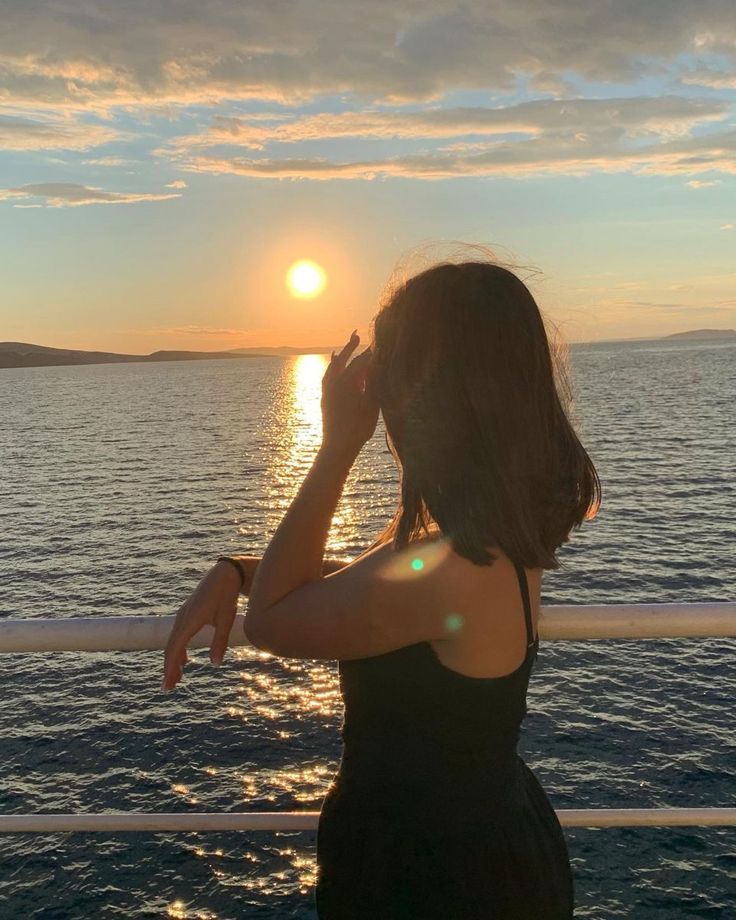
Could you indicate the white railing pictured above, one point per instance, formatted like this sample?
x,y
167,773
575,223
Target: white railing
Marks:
x,y
307,820
593,621
561,621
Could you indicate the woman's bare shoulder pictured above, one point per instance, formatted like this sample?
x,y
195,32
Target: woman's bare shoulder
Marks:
x,y
491,636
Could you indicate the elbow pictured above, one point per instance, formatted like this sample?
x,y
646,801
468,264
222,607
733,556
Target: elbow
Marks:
x,y
255,632
252,632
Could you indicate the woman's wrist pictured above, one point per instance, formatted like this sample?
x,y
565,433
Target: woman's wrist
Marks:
x,y
246,565
233,568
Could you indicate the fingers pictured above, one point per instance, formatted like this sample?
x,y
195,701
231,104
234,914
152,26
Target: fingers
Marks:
x,y
175,653
339,360
223,625
360,362
175,657
173,667
357,370
351,344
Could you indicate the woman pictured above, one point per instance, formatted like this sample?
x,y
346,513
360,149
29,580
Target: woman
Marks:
x,y
432,813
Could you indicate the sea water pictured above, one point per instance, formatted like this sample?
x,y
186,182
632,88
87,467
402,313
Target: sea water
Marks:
x,y
120,484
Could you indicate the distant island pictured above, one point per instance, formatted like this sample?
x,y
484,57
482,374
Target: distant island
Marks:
x,y
704,334
692,335
23,354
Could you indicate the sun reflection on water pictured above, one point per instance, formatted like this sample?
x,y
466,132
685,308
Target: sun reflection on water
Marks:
x,y
269,693
294,436
178,910
296,426
306,411
311,687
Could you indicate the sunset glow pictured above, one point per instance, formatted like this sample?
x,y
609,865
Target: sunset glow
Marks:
x,y
196,187
306,279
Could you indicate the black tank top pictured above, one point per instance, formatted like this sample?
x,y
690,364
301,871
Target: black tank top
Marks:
x,y
432,814
414,727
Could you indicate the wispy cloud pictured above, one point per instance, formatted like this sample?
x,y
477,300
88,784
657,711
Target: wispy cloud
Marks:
x,y
572,137
552,154
715,79
199,330
46,133
111,161
69,194
633,118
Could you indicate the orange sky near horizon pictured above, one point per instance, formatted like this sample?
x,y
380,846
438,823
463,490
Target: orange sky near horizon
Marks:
x,y
160,173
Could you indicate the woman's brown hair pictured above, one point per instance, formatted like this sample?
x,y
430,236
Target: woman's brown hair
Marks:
x,y
475,410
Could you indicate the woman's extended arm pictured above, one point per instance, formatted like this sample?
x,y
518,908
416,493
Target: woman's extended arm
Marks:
x,y
214,602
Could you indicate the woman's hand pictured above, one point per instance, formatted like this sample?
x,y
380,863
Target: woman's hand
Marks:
x,y
213,602
349,406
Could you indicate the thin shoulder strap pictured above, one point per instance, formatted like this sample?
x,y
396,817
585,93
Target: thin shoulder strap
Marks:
x,y
524,585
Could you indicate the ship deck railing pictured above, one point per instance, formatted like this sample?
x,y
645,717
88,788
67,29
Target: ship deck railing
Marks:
x,y
556,622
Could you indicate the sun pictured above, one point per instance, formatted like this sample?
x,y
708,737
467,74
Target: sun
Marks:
x,y
306,279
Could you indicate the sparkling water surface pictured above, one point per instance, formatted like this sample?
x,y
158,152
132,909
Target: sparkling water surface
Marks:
x,y
121,483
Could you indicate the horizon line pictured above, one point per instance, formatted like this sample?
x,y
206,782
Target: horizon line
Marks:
x,y
314,349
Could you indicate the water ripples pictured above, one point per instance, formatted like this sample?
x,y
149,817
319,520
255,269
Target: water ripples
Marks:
x,y
121,484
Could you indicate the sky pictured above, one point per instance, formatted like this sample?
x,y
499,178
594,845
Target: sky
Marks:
x,y
164,162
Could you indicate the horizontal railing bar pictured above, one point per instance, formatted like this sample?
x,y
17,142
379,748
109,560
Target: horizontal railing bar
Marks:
x,y
307,820
557,621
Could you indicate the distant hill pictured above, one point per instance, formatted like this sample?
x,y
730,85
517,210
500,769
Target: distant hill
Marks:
x,y
703,334
692,335
24,354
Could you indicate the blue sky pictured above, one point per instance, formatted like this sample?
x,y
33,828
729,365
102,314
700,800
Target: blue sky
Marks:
x,y
163,163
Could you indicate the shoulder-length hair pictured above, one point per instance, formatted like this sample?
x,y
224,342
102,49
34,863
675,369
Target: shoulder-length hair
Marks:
x,y
475,413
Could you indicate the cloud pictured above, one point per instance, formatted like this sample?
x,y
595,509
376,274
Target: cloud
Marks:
x,y
637,117
109,161
555,153
714,79
572,136
46,133
701,183
199,330
108,54
177,183
727,227
109,60
69,194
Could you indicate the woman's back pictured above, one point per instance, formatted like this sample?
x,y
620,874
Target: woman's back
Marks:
x,y
432,812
